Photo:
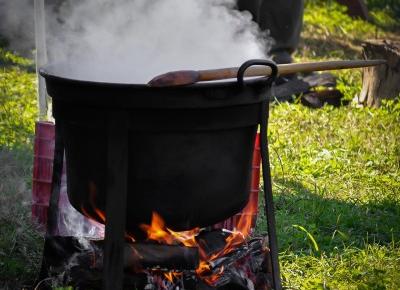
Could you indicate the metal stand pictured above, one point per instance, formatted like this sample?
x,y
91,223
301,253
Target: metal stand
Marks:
x,y
117,152
269,203
117,175
52,212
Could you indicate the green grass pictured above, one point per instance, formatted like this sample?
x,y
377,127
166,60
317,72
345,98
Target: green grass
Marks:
x,y
18,108
20,239
336,172
370,267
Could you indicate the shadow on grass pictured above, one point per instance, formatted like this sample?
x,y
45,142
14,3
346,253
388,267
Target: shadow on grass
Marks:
x,y
332,223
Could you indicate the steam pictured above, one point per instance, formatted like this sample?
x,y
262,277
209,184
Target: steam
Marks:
x,y
134,40
73,223
16,24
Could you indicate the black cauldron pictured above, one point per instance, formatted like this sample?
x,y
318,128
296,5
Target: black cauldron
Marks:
x,y
189,148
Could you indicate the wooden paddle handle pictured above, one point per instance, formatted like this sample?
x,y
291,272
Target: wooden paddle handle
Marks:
x,y
286,69
188,77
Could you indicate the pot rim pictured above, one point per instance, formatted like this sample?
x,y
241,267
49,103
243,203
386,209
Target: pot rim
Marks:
x,y
51,74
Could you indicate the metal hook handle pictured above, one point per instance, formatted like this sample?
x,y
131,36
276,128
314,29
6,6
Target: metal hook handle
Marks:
x,y
271,78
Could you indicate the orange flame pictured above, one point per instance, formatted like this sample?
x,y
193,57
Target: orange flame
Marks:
x,y
171,276
214,278
92,197
157,231
99,214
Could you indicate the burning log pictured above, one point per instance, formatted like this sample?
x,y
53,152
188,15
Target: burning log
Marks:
x,y
141,256
79,262
82,260
150,256
212,242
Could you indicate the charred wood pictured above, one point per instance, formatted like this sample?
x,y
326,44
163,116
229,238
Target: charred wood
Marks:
x,y
82,261
79,263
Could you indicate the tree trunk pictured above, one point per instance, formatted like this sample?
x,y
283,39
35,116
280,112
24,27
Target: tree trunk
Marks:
x,y
383,81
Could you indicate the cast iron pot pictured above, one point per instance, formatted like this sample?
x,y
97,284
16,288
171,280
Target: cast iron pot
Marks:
x,y
190,148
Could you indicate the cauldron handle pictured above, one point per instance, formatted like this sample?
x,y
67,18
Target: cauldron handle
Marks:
x,y
269,80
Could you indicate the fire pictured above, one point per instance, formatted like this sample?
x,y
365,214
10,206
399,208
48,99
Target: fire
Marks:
x,y
100,215
240,233
214,278
157,231
171,276
204,267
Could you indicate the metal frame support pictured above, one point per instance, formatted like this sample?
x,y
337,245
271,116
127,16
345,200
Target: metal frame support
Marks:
x,y
58,162
117,176
269,203
53,209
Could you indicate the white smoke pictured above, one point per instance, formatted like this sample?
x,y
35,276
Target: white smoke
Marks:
x,y
134,40
16,25
73,223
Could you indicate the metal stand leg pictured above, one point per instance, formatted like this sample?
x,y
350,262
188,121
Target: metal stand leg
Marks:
x,y
269,204
117,163
52,212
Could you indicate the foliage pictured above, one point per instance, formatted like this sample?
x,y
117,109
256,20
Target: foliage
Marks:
x,y
386,19
18,109
384,13
330,33
390,7
9,58
331,20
